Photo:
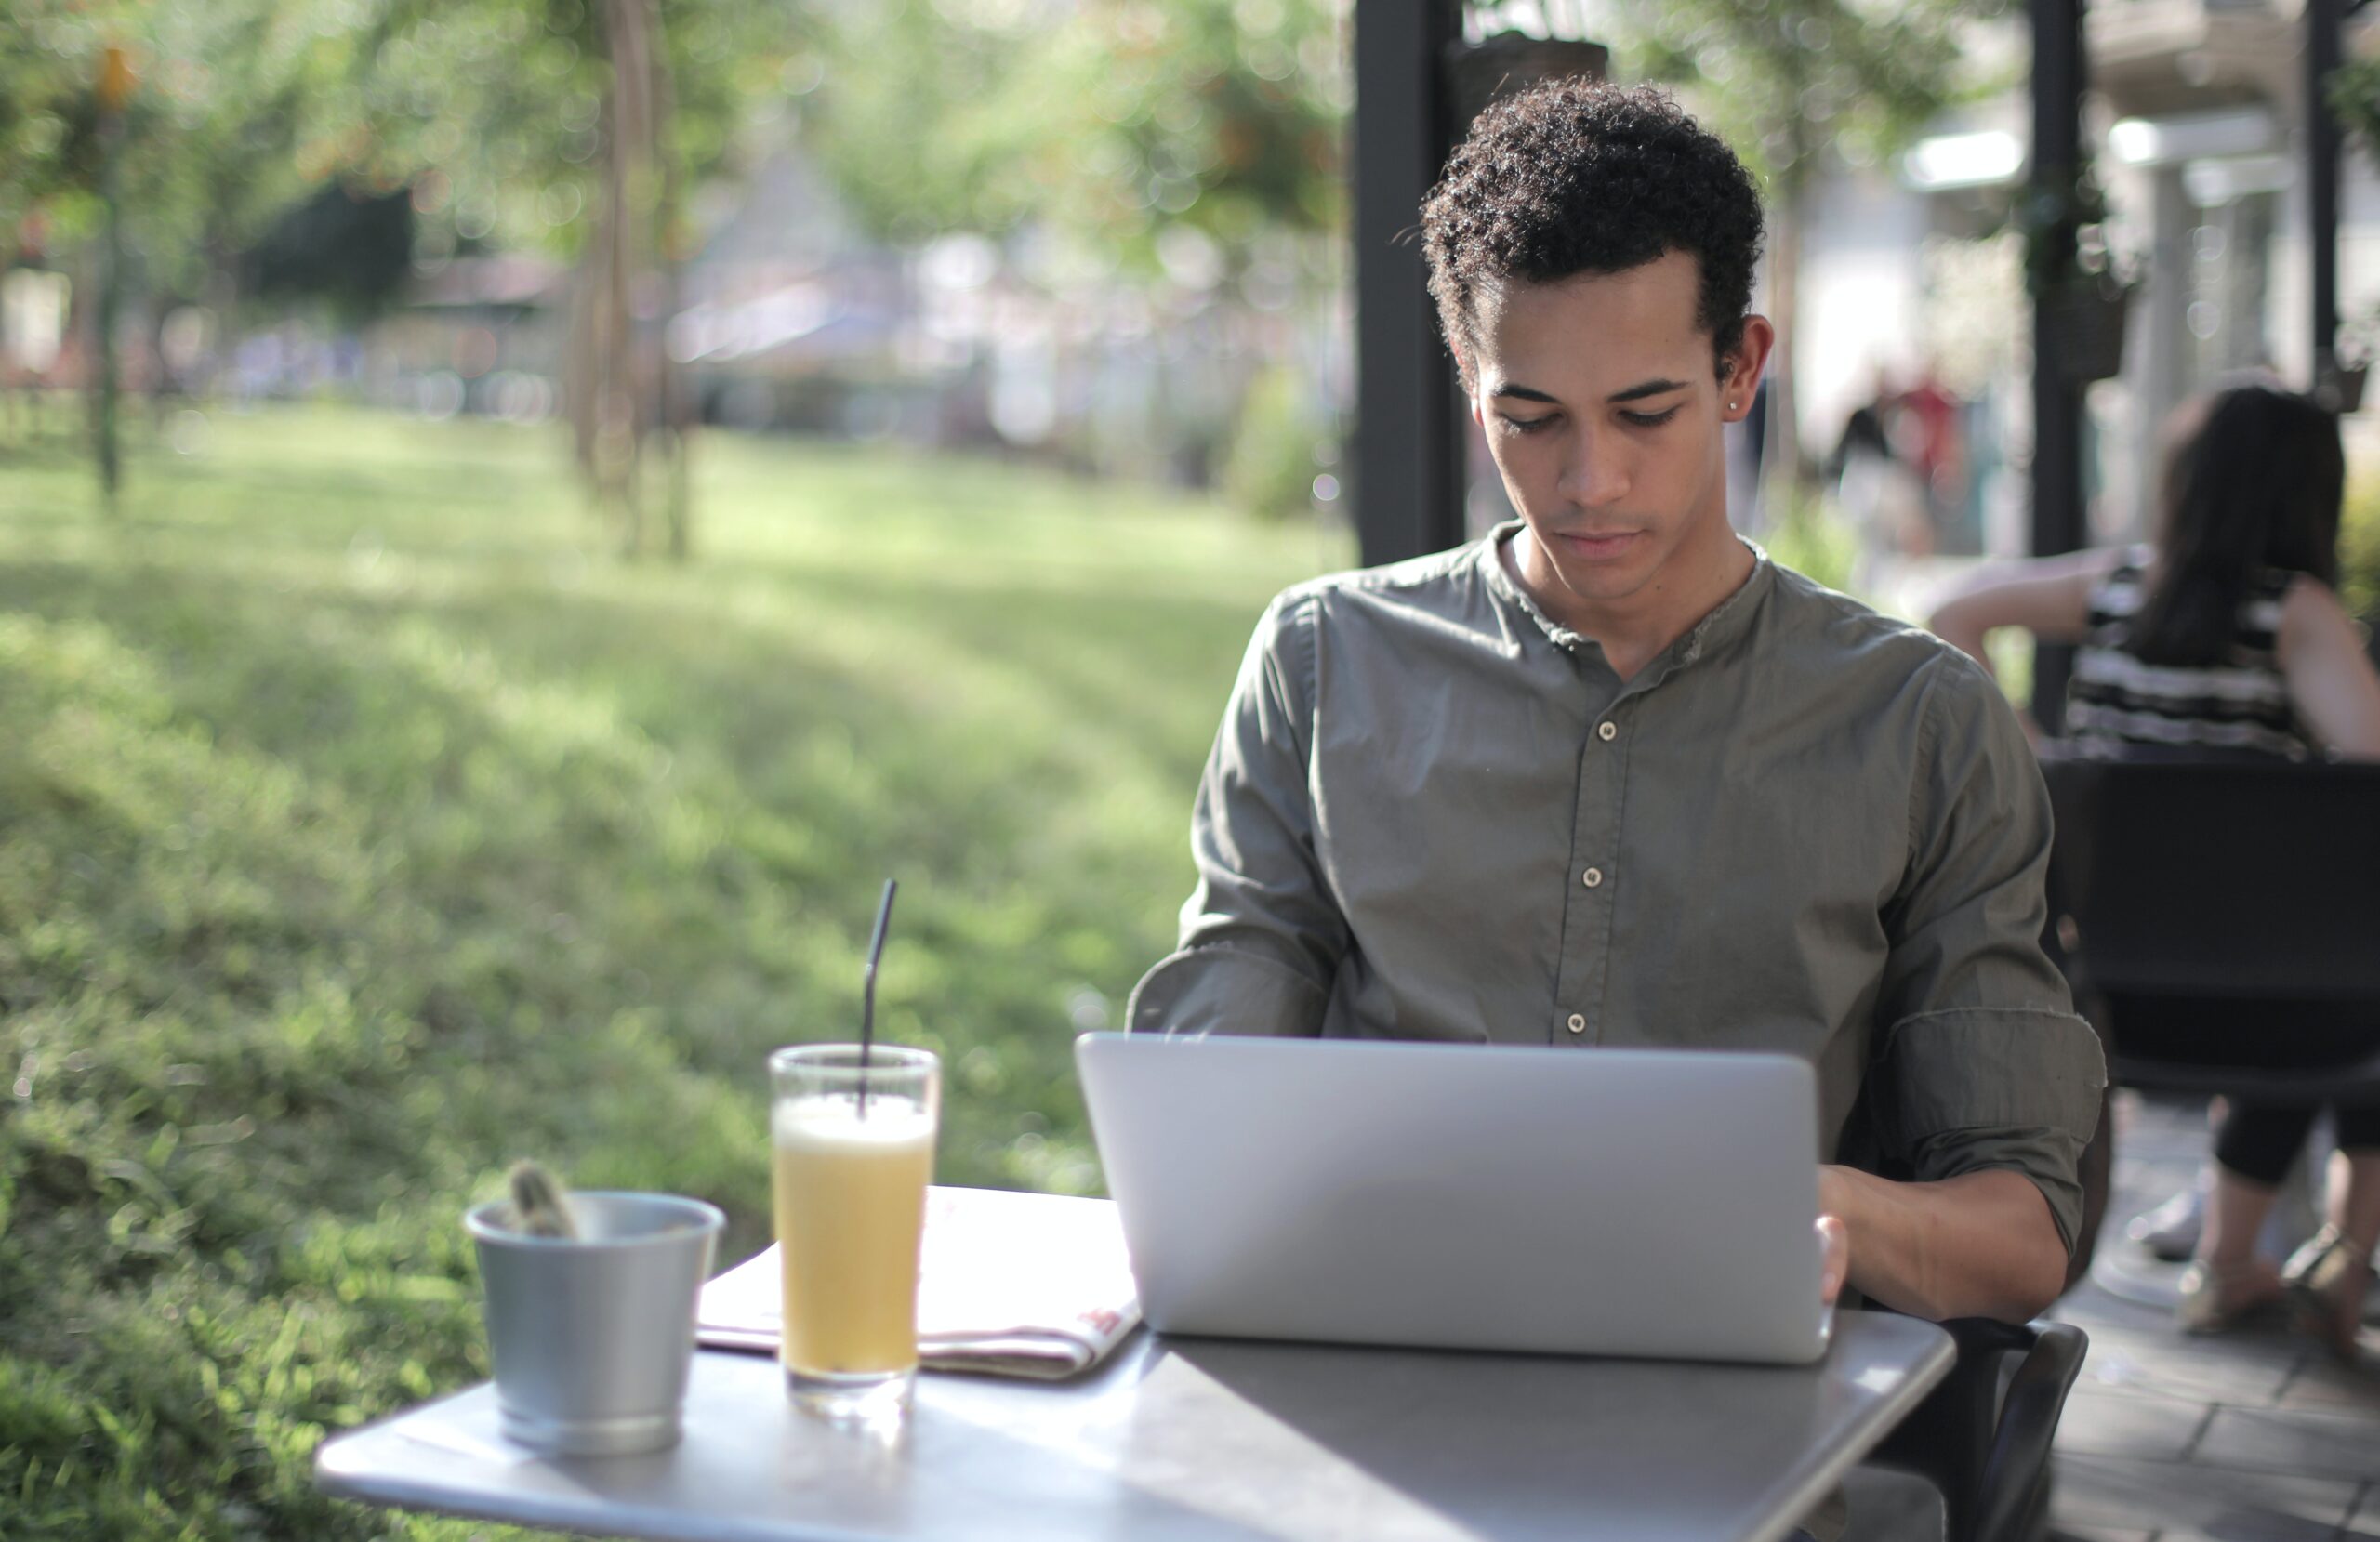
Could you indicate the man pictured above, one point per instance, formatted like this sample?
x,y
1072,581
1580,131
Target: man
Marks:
x,y
1610,777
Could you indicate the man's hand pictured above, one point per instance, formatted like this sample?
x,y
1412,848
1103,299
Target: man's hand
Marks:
x,y
1834,1257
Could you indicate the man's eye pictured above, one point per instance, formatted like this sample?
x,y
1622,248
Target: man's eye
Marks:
x,y
1525,425
1650,420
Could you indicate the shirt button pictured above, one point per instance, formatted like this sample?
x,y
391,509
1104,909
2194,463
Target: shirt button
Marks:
x,y
1606,731
1592,877
1578,1023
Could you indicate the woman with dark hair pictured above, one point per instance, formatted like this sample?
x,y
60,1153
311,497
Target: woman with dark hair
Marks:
x,y
2225,638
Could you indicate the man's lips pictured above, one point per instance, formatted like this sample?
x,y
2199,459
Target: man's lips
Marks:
x,y
1597,545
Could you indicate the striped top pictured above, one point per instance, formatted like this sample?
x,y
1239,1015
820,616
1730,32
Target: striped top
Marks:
x,y
2242,704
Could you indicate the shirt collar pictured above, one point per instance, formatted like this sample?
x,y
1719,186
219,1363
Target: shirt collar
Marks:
x,y
1727,621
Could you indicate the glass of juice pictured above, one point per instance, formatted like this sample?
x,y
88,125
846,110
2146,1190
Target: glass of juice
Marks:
x,y
854,1153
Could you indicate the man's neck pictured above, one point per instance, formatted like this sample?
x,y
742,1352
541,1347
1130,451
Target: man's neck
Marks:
x,y
1634,628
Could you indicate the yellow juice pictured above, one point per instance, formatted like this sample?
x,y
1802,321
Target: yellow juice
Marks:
x,y
851,1198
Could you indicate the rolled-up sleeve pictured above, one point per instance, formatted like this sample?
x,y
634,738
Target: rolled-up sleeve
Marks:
x,y
1984,1063
1262,936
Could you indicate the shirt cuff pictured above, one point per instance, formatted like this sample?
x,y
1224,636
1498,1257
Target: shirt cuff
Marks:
x,y
1978,1087
1984,1067
1221,989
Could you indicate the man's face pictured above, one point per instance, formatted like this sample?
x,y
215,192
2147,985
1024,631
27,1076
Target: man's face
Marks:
x,y
1603,409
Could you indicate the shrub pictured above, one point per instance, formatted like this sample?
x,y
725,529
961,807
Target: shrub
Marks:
x,y
1277,446
2359,551
1810,537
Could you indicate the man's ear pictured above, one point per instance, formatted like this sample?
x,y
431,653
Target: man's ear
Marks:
x,y
1745,368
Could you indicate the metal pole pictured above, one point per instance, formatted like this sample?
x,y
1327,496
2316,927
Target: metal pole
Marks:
x,y
2058,74
2322,18
1409,475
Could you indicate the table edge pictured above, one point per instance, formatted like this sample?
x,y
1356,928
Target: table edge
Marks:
x,y
1879,1420
1798,1500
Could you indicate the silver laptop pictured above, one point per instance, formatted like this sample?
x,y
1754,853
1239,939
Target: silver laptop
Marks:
x,y
1624,1201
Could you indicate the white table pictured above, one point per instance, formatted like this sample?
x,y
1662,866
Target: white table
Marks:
x,y
1201,1440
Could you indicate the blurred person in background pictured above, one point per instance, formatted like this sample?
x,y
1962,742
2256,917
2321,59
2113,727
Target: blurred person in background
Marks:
x,y
2225,638
1928,423
1861,456
1881,493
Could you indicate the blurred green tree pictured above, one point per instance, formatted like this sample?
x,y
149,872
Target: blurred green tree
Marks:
x,y
226,125
1131,118
40,101
192,140
2353,92
342,244
1182,161
1794,85
572,126
224,131
577,126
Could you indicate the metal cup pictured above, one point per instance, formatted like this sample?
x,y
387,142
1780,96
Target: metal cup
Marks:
x,y
592,1337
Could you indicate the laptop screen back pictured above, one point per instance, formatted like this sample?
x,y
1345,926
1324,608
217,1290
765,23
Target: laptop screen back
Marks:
x,y
1588,1200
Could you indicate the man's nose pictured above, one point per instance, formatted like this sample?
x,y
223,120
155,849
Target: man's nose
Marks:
x,y
1597,473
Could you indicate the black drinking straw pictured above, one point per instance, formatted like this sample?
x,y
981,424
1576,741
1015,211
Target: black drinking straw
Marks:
x,y
867,996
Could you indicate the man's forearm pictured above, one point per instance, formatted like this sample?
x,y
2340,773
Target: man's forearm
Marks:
x,y
1982,1245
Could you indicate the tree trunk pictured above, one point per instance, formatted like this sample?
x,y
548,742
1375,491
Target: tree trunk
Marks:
x,y
578,359
103,315
672,405
615,395
15,384
623,391
221,297
616,428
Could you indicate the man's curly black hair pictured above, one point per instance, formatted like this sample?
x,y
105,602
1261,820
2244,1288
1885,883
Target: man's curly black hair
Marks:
x,y
1579,176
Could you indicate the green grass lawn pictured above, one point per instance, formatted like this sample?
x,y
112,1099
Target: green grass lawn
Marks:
x,y
363,827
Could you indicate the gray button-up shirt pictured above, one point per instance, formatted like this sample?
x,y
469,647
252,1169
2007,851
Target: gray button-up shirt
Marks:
x,y
1434,813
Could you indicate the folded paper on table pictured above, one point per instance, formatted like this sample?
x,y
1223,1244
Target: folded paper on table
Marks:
x,y
1009,1284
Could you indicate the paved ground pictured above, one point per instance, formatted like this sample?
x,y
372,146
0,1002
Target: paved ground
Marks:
x,y
2257,1437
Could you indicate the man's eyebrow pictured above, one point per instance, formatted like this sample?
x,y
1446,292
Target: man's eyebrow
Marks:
x,y
1633,393
1651,388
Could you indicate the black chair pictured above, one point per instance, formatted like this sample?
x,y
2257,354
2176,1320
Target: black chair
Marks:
x,y
1982,1437
2252,885
2244,890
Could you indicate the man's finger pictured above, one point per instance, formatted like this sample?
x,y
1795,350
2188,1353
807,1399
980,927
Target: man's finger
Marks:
x,y
1834,1259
